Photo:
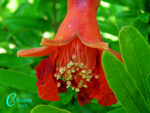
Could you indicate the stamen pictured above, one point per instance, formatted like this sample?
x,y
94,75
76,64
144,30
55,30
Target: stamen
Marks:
x,y
80,83
73,57
85,86
72,70
69,72
73,88
77,89
83,71
58,84
96,76
84,76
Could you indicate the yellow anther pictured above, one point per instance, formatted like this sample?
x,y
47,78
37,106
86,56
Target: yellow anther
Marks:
x,y
67,86
80,83
89,71
64,69
96,76
88,79
83,76
77,69
81,65
69,72
68,82
68,65
73,57
83,71
71,63
80,73
72,70
85,86
58,84
61,70
73,88
89,76
77,89
76,64
55,75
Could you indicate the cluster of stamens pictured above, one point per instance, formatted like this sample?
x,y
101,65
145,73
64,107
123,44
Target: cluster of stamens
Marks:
x,y
71,72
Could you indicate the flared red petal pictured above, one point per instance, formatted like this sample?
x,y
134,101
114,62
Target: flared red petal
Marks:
x,y
84,96
36,52
98,45
47,85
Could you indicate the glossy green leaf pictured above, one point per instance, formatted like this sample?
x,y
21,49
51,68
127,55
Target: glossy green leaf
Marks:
x,y
131,3
141,4
18,80
123,85
120,24
30,22
144,17
16,62
119,110
148,84
114,2
108,27
47,109
126,14
136,56
67,97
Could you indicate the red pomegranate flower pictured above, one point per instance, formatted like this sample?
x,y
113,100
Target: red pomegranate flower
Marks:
x,y
77,48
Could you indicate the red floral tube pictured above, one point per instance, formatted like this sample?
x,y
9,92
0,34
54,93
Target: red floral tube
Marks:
x,y
77,48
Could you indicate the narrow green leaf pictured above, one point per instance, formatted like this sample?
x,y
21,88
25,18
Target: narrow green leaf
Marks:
x,y
18,80
114,2
30,22
136,56
120,24
126,14
67,97
47,109
108,27
119,110
12,61
122,84
144,17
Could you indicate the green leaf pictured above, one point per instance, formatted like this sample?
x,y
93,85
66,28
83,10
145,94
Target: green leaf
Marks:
x,y
136,56
18,80
120,24
67,97
141,26
108,27
12,61
126,14
144,17
114,2
123,86
30,22
119,110
131,3
47,109
141,4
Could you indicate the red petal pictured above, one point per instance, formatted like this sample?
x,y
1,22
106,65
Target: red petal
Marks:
x,y
84,96
47,86
36,52
63,88
98,44
106,96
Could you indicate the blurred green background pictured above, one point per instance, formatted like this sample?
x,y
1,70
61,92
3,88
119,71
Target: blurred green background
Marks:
x,y
23,23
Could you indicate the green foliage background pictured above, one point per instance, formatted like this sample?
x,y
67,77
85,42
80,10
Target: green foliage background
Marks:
x,y
23,23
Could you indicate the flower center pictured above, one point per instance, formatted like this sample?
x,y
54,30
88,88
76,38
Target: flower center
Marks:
x,y
74,74
77,65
